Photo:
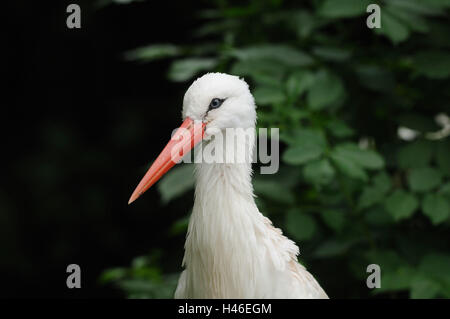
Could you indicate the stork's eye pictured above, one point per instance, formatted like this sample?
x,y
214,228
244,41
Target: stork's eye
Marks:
x,y
215,103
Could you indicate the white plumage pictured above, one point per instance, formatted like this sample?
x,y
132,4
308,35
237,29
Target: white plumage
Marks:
x,y
232,250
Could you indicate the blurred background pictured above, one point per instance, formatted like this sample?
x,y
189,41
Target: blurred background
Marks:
x,y
363,117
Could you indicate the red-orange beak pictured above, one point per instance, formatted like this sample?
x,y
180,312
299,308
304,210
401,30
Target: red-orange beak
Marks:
x,y
185,138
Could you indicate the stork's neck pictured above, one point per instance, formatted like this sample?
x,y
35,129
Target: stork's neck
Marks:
x,y
224,225
229,177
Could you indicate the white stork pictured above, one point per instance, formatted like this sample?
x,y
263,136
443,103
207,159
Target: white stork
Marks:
x,y
231,250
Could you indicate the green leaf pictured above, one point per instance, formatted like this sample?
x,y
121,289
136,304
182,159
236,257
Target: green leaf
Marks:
x,y
436,207
383,182
263,71
185,69
176,182
305,22
438,3
326,89
436,265
424,179
268,95
140,262
378,216
332,248
298,83
238,11
318,172
332,53
364,158
305,137
300,225
396,273
423,288
389,260
152,52
215,27
343,8
401,204
371,195
420,7
396,280
137,286
414,21
392,27
445,189
273,190
110,275
306,145
287,175
415,154
297,155
180,226
443,156
339,129
335,219
349,167
433,64
279,53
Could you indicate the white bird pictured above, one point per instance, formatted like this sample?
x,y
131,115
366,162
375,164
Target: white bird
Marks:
x,y
231,249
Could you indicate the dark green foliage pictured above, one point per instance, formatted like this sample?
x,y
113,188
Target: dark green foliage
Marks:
x,y
350,191
143,279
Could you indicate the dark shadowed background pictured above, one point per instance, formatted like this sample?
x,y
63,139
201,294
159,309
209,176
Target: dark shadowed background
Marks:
x,y
80,128
363,117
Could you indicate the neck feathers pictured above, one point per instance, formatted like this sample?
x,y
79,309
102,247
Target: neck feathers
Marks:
x,y
222,234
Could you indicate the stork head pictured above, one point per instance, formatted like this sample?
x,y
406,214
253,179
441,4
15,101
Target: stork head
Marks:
x,y
220,101
214,102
